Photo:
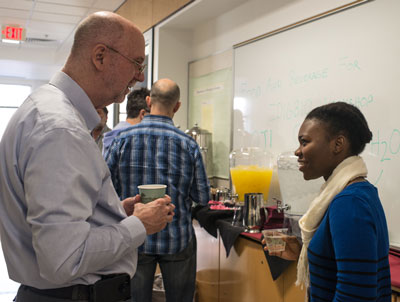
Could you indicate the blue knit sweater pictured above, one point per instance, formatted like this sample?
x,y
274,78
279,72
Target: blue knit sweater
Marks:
x,y
348,254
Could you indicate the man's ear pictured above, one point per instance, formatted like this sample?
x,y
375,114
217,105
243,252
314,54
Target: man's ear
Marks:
x,y
177,106
142,113
148,101
99,56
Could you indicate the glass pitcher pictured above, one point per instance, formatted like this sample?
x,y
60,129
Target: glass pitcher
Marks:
x,y
251,171
296,191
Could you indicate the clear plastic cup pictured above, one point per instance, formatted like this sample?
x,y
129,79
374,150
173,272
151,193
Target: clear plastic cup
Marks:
x,y
274,239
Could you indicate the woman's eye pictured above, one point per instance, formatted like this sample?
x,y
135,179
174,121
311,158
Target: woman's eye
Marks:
x,y
303,142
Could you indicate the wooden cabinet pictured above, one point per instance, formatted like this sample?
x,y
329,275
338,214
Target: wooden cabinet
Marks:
x,y
147,13
395,294
164,8
243,276
208,253
139,12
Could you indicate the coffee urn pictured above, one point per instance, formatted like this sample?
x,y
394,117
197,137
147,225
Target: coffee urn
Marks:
x,y
203,139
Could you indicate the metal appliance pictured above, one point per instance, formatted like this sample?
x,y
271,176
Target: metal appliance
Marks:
x,y
203,139
252,218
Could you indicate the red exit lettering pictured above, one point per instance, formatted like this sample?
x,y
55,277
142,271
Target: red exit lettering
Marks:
x,y
12,33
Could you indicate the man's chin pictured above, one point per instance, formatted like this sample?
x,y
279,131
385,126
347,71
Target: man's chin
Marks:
x,y
119,99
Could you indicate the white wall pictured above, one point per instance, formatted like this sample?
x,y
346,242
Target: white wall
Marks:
x,y
252,19
171,62
178,41
175,47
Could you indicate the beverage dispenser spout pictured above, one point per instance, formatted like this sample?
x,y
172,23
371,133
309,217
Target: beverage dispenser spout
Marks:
x,y
281,208
233,197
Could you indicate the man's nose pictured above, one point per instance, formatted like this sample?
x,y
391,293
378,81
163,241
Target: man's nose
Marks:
x,y
138,77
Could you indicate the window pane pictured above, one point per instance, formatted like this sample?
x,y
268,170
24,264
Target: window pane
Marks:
x,y
110,117
5,115
122,106
122,117
122,111
13,95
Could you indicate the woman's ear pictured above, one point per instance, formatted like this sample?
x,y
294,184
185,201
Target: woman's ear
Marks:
x,y
341,144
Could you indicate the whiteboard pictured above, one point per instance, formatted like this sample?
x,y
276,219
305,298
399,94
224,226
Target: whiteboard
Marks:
x,y
351,56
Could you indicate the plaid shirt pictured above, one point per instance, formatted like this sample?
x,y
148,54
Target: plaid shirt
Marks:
x,y
155,151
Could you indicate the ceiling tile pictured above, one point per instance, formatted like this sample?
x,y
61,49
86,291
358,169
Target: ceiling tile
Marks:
x,y
57,18
60,9
8,15
51,29
82,3
16,4
110,5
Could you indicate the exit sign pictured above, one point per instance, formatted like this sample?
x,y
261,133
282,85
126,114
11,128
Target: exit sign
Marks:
x,y
13,32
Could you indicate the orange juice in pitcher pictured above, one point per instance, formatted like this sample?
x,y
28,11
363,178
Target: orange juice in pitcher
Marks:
x,y
251,179
251,171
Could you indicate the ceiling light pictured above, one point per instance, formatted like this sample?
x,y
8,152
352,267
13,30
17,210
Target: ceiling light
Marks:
x,y
10,41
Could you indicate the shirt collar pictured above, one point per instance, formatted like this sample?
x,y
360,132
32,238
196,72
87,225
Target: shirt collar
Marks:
x,y
158,118
78,97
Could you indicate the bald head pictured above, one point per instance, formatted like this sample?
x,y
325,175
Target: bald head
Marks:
x,y
165,92
164,98
106,57
100,27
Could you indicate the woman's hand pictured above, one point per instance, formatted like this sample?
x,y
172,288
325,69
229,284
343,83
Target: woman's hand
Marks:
x,y
292,249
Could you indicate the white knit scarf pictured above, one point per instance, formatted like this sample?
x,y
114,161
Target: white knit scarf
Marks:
x,y
348,170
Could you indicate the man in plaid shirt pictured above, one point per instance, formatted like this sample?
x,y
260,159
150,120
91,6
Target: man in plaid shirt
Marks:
x,y
156,152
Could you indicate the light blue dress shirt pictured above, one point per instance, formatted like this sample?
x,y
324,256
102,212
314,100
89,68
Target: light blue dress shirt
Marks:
x,y
61,221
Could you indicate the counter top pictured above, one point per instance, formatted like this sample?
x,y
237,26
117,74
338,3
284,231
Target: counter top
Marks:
x,y
214,221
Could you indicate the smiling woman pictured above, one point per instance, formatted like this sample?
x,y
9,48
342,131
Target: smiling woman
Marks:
x,y
344,231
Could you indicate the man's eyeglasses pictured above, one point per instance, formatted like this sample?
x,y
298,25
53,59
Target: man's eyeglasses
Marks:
x,y
140,66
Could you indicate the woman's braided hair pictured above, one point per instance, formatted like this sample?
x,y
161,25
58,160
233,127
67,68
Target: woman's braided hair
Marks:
x,y
346,119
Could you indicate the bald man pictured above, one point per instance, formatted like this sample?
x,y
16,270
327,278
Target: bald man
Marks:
x,y
65,234
155,151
